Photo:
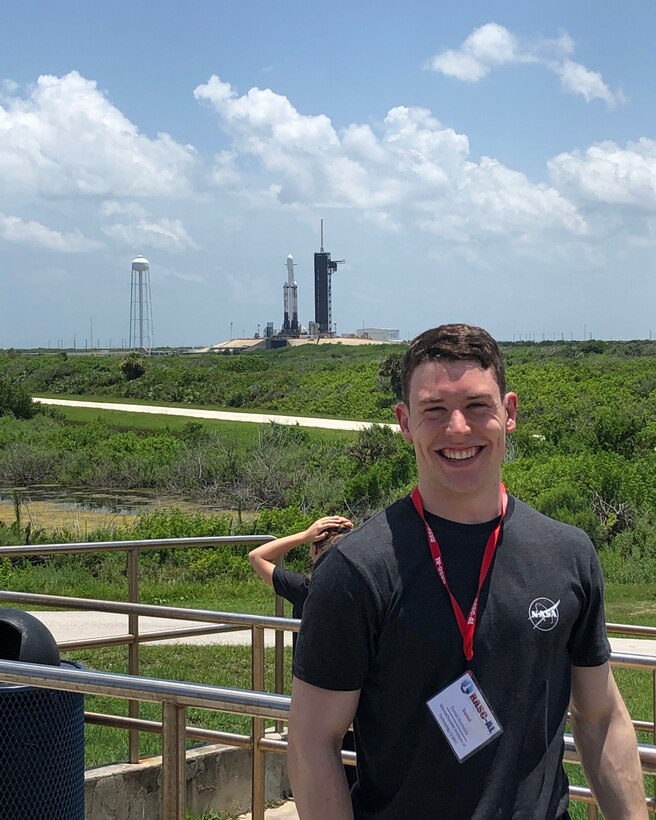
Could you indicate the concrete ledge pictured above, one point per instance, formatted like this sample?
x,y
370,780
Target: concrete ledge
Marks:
x,y
218,778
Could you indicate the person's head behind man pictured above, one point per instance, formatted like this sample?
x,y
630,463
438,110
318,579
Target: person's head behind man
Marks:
x,y
457,413
327,538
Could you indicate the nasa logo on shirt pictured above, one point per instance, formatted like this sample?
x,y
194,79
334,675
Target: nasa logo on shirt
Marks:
x,y
543,614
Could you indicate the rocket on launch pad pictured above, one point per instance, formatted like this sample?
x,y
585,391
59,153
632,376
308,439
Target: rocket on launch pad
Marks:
x,y
290,325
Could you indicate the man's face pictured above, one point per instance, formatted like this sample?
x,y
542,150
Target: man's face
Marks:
x,y
457,420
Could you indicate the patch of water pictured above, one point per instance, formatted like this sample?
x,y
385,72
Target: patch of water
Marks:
x,y
52,507
100,501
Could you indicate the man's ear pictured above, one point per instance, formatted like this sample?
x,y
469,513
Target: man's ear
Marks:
x,y
403,418
510,403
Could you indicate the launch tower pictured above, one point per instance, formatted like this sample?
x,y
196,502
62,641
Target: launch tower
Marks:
x,y
324,267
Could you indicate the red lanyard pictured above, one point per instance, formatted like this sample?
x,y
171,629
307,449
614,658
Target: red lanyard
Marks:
x,y
468,626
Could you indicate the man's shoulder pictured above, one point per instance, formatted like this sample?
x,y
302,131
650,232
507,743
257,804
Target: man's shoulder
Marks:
x,y
381,527
375,542
531,522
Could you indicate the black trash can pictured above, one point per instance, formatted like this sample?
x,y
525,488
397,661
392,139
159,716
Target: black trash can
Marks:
x,y
41,732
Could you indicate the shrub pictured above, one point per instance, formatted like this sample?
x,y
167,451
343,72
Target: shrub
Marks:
x,y
132,367
15,400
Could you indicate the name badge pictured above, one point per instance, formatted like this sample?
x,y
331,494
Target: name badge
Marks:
x,y
464,716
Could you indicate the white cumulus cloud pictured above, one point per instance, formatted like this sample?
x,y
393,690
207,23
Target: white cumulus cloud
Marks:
x,y
409,169
486,47
493,45
162,233
64,138
29,232
606,173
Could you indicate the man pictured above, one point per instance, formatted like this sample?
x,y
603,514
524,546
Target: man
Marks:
x,y
454,627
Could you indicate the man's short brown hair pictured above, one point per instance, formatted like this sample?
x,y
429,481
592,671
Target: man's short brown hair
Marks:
x,y
453,343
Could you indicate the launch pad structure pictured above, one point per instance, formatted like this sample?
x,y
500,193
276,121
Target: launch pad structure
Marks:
x,y
290,325
324,267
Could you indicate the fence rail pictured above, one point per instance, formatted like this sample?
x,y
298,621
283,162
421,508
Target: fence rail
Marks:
x,y
176,696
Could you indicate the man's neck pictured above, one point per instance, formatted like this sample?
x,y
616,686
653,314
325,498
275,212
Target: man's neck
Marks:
x,y
461,507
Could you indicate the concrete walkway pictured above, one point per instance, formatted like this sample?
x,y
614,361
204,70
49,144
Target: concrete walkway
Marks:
x,y
74,625
219,415
71,626
634,646
285,812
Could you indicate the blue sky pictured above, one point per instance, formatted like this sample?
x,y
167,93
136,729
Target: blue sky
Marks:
x,y
488,162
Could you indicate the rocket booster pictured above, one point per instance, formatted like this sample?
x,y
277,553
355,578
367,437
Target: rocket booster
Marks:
x,y
290,299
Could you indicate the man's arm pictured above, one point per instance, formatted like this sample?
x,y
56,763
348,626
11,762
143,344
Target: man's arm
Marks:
x,y
606,743
318,720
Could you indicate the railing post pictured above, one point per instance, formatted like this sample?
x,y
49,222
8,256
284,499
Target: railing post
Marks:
x,y
173,761
279,662
133,648
257,785
653,720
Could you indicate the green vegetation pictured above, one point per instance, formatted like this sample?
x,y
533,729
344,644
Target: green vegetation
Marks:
x,y
584,452
282,466
15,399
324,380
243,435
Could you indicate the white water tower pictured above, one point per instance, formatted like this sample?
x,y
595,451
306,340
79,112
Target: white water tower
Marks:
x,y
141,311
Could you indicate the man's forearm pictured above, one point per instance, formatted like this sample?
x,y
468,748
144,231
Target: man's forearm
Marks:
x,y
318,782
612,766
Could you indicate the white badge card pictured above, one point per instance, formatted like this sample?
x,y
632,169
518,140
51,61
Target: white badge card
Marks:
x,y
464,716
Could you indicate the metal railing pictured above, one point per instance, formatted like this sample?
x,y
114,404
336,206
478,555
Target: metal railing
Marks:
x,y
132,639
175,696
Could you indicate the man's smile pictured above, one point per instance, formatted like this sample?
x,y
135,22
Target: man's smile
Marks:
x,y
459,455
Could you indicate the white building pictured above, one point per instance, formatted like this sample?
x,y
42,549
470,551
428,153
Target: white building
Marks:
x,y
379,334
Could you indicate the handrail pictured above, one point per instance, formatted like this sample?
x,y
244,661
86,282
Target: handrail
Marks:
x,y
244,620
133,550
216,621
116,684
632,629
176,697
143,544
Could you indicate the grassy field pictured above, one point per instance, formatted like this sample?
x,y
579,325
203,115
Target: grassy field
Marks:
x,y
183,406
631,604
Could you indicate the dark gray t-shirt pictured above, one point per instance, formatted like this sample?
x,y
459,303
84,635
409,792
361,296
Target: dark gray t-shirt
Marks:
x,y
378,619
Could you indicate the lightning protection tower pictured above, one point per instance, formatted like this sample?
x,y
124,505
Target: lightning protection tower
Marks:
x,y
141,312
324,267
